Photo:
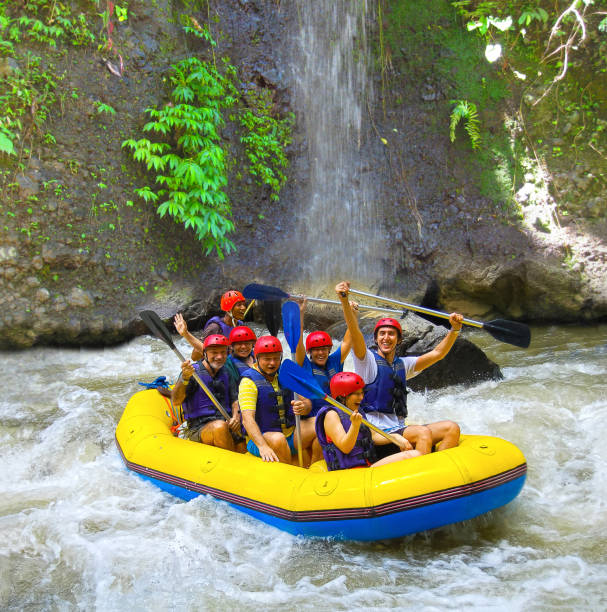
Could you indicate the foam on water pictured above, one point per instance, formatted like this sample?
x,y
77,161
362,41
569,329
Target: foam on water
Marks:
x,y
78,531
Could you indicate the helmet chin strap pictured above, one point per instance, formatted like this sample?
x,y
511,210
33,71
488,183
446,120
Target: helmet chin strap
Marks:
x,y
266,374
213,370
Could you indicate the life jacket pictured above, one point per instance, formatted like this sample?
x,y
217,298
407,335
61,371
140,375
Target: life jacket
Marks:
x,y
363,452
239,365
197,402
323,376
388,392
274,410
225,328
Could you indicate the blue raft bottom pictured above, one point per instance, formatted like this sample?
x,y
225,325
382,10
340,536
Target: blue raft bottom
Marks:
x,y
384,527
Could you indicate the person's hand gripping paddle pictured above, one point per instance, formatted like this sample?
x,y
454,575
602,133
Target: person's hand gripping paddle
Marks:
x,y
292,329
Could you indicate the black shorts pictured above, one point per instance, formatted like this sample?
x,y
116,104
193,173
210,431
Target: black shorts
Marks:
x,y
385,450
194,427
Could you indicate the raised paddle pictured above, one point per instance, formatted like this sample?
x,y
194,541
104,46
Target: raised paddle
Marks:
x,y
292,329
294,377
267,292
510,332
246,312
271,315
158,328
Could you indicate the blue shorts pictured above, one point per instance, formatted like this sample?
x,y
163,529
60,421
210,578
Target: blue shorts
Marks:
x,y
252,447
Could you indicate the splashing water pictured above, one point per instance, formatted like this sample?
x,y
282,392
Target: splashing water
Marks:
x,y
79,531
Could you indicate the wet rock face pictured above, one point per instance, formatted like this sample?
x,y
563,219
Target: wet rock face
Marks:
x,y
443,245
464,364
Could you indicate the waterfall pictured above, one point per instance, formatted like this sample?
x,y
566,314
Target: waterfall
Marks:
x,y
338,225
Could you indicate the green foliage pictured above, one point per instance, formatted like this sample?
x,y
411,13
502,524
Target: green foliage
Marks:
x,y
27,83
49,23
425,41
27,95
187,155
265,138
104,108
464,110
530,14
6,141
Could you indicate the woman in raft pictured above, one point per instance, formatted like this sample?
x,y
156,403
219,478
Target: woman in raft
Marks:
x,y
344,443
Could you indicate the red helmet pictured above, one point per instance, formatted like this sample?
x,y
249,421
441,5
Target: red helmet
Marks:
x,y
267,344
242,333
215,340
317,339
388,322
344,383
229,299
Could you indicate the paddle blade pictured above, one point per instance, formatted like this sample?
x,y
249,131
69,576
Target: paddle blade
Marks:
x,y
298,380
156,326
263,292
291,324
271,315
511,332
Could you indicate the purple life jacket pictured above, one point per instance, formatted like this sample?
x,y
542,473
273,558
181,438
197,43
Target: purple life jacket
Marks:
x,y
198,403
225,328
274,410
388,392
241,366
363,452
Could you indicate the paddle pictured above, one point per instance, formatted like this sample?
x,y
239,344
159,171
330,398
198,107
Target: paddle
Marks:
x,y
158,328
271,315
267,292
294,377
510,332
246,312
292,329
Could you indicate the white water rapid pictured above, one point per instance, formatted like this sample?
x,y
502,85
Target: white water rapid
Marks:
x,y
80,532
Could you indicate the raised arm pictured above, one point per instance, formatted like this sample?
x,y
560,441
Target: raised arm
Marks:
x,y
443,347
182,329
358,340
346,343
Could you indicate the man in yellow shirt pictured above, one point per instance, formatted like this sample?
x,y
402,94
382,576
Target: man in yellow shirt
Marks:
x,y
268,411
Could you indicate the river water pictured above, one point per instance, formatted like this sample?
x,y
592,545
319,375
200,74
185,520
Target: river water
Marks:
x,y
80,532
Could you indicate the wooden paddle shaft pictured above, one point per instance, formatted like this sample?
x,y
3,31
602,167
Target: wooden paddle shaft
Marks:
x,y
335,302
343,408
298,432
428,311
217,405
246,312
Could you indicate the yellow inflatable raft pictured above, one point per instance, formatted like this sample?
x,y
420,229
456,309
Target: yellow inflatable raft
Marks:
x,y
389,501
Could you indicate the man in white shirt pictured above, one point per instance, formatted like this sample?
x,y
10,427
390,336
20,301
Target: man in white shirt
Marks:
x,y
385,376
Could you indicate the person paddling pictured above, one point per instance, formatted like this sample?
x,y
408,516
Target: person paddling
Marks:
x,y
240,355
268,411
323,364
234,306
204,422
345,444
386,375
242,340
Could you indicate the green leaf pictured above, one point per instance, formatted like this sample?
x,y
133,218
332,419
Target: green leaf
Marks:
x,y
6,145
